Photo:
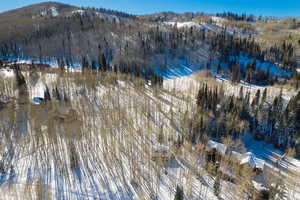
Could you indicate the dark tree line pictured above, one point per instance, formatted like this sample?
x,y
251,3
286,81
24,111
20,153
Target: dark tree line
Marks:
x,y
237,17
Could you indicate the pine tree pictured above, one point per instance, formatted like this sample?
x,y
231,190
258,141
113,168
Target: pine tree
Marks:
x,y
241,93
268,73
217,186
278,191
179,193
85,64
219,68
256,99
102,62
19,76
264,96
56,94
94,67
236,73
47,96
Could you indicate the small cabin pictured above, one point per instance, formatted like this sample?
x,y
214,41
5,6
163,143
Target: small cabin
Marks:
x,y
248,160
160,153
214,151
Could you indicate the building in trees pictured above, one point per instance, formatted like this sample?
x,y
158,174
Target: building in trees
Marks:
x,y
248,160
215,151
161,153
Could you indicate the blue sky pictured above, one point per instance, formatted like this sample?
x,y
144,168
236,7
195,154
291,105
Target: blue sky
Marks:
x,y
257,7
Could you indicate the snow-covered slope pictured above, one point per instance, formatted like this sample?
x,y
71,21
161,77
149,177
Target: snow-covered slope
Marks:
x,y
101,143
217,25
114,163
105,16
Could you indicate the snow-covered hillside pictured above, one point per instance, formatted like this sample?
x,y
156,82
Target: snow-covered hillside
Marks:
x,y
112,161
216,25
103,141
52,11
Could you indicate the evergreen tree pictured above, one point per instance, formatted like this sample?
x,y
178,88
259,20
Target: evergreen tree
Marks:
x,y
236,73
241,93
56,94
268,73
278,191
256,99
217,186
19,76
264,96
219,68
179,193
47,96
102,62
94,67
85,64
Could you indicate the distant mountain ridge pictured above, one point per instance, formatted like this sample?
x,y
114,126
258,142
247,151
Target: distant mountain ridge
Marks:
x,y
35,9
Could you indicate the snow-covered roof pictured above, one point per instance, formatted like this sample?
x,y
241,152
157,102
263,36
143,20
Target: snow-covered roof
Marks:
x,y
259,186
248,158
160,147
220,148
81,12
187,24
160,150
218,20
38,90
6,73
54,11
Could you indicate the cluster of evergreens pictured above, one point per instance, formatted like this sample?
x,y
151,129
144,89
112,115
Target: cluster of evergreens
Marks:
x,y
220,116
237,17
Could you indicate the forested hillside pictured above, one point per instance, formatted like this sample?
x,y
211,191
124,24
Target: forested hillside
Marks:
x,y
112,40
102,104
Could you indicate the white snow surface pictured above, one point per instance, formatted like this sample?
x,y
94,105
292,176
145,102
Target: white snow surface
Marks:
x,y
105,167
199,26
50,11
95,178
183,24
109,17
219,20
217,26
38,90
54,11
6,73
80,12
105,16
